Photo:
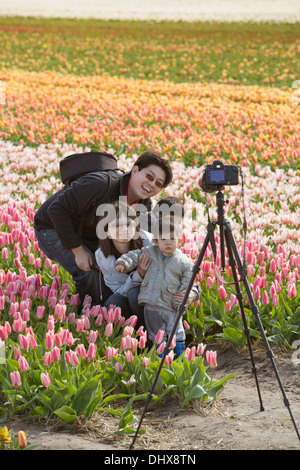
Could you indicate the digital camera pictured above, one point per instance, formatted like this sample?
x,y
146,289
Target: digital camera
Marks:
x,y
217,175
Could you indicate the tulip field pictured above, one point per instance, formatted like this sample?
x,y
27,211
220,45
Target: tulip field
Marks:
x,y
195,94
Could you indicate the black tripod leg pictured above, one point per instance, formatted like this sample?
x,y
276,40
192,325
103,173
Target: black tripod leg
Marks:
x,y
239,295
254,310
208,238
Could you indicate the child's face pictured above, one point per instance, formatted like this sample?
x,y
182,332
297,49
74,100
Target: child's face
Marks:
x,y
121,229
167,245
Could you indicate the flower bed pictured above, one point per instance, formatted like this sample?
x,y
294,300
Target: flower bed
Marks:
x,y
56,362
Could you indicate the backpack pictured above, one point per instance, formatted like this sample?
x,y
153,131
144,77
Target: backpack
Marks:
x,y
77,165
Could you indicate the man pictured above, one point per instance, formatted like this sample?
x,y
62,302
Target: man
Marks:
x,y
62,235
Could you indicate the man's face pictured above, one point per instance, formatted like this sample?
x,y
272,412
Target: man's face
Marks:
x,y
146,183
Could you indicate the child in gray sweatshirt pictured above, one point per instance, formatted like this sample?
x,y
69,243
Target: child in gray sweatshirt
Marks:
x,y
169,272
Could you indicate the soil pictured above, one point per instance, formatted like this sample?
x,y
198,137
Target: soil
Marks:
x,y
234,422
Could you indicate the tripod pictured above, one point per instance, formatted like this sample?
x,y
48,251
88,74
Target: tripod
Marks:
x,y
234,260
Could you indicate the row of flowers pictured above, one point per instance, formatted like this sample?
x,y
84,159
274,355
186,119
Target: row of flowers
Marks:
x,y
187,122
190,52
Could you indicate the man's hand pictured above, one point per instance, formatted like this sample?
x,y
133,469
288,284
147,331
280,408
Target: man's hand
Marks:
x,y
180,295
143,264
82,258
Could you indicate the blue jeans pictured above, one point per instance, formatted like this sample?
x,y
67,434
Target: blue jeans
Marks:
x,y
85,282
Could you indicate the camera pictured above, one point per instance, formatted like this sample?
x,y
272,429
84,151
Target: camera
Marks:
x,y
217,175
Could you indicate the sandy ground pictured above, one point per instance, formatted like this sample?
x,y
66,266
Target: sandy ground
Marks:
x,y
234,422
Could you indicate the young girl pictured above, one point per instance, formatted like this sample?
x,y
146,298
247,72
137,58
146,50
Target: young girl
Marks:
x,y
119,232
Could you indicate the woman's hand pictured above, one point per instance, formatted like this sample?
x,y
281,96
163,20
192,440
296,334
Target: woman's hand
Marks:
x,y
143,264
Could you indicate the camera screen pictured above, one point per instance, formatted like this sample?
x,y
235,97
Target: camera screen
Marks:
x,y
217,176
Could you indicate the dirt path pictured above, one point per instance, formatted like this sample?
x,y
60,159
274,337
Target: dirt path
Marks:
x,y
235,422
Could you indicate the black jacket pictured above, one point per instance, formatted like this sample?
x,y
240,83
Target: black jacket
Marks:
x,y
65,210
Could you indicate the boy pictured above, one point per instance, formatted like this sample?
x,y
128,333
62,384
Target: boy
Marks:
x,y
169,272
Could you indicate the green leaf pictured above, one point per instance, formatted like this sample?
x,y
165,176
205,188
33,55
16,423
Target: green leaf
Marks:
x,y
67,414
84,396
197,392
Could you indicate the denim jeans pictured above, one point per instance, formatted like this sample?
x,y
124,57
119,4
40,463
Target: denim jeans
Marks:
x,y
85,282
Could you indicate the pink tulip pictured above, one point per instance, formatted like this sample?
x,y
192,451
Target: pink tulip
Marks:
x,y
118,367
24,342
80,325
292,292
58,340
55,354
272,267
169,358
131,321
275,300
222,292
71,318
110,353
74,300
32,341
45,378
265,298
210,282
54,270
128,331
60,312
72,358
142,342
23,364
17,353
109,329
126,342
160,349
128,356
131,381
211,357
50,322
81,351
160,336
40,311
146,361
93,336
15,379
49,340
91,354
190,353
201,348
47,358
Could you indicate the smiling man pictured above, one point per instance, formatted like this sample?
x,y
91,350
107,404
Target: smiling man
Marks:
x,y
65,225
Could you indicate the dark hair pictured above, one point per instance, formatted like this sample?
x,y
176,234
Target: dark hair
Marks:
x,y
172,202
106,244
152,158
166,227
